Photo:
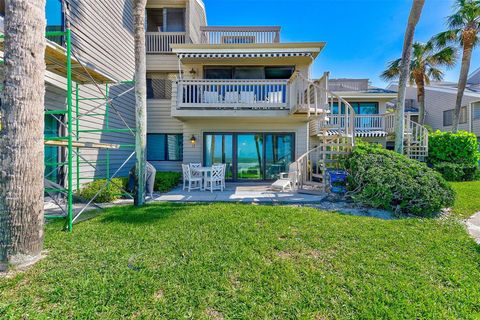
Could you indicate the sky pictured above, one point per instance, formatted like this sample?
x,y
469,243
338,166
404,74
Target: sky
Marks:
x,y
362,36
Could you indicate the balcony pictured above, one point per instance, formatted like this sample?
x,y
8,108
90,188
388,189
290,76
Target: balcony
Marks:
x,y
159,42
366,125
231,94
239,35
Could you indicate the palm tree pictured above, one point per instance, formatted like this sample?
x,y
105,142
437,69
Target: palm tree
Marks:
x,y
424,67
463,30
413,18
21,136
141,100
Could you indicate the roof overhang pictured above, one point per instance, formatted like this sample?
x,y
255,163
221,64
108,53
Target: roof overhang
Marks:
x,y
291,52
82,72
366,95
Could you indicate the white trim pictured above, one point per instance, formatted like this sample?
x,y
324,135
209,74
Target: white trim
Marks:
x,y
245,50
241,55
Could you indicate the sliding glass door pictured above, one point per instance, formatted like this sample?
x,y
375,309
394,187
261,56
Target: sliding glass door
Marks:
x,y
219,149
250,156
279,154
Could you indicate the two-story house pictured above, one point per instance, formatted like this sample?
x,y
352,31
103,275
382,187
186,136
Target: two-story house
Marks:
x,y
440,98
241,96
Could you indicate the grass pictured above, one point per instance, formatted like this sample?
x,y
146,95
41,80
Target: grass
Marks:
x,y
172,261
467,200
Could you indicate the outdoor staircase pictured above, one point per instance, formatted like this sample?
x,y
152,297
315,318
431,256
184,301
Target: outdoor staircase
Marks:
x,y
415,138
314,99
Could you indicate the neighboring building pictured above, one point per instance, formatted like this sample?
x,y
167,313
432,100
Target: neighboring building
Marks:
x,y
440,100
102,39
372,117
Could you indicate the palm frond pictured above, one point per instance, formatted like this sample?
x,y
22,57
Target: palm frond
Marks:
x,y
456,21
392,71
467,12
447,37
434,74
445,57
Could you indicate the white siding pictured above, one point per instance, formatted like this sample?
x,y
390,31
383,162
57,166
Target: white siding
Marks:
x,y
160,121
102,38
436,102
199,127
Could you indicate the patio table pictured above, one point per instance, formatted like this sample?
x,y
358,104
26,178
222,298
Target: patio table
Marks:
x,y
204,171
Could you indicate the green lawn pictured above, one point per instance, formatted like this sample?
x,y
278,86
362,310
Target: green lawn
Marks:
x,y
249,262
467,198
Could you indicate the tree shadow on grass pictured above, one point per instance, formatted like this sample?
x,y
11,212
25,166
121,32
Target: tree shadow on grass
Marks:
x,y
147,214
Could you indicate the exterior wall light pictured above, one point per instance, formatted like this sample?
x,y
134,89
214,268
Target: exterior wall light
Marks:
x,y
193,140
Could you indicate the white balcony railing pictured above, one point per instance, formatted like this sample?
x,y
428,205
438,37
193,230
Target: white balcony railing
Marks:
x,y
362,122
239,35
230,94
159,42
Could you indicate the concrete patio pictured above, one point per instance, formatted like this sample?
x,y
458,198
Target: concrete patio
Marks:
x,y
240,192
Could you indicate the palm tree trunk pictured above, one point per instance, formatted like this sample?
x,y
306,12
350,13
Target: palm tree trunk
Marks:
x,y
21,135
462,82
141,100
413,19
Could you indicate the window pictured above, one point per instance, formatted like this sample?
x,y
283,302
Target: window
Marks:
x,y
159,88
463,115
476,112
358,107
166,20
448,116
51,154
164,147
249,72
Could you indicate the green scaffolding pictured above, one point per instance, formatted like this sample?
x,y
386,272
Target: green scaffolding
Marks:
x,y
72,139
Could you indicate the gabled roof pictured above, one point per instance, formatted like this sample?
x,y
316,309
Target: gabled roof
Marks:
x,y
474,77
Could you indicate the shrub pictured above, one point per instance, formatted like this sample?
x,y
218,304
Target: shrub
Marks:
x,y
166,181
457,171
454,155
460,147
384,179
108,194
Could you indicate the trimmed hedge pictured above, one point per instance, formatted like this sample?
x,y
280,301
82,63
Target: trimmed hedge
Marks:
x,y
112,193
166,181
457,171
454,155
384,179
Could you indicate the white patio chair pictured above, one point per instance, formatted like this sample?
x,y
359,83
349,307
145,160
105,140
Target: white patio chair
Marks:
x,y
288,180
215,180
193,182
275,97
247,97
211,97
224,174
231,97
193,169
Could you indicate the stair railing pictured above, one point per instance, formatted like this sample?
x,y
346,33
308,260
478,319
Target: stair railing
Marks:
x,y
415,140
